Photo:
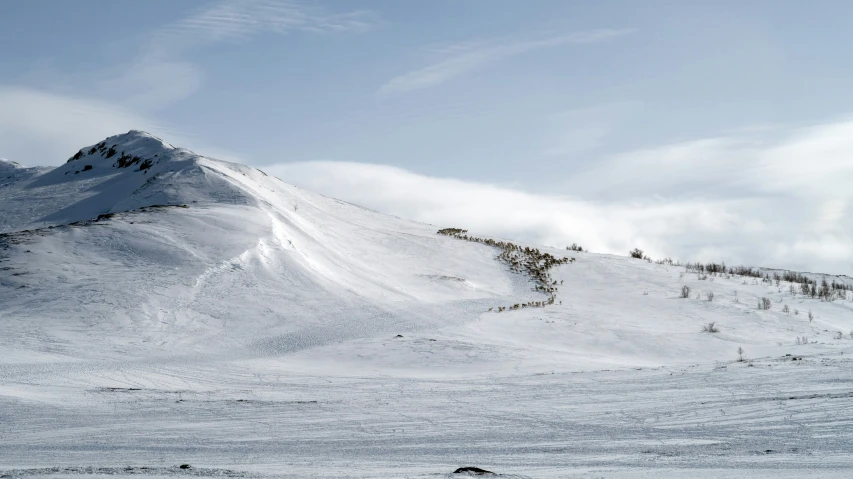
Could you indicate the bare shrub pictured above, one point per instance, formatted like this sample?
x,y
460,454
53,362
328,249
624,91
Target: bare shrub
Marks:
x,y
668,261
575,247
764,303
685,291
838,335
811,316
710,328
786,309
710,295
802,340
740,354
636,253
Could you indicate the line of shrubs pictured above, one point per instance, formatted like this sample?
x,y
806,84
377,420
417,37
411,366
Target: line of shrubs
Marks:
x,y
531,261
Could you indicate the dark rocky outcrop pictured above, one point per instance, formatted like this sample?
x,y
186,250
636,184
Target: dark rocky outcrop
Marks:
x,y
473,470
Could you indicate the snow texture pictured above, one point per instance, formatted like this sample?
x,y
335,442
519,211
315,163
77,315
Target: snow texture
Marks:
x,y
160,308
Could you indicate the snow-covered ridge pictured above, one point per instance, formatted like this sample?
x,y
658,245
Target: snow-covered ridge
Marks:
x,y
11,172
8,166
121,173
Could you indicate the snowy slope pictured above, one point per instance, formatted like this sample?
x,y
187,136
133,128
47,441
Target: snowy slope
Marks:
x,y
259,315
244,261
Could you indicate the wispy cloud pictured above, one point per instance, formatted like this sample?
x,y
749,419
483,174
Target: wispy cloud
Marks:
x,y
785,203
237,20
161,72
462,59
42,127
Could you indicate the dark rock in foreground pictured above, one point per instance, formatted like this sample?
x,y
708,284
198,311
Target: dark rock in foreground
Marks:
x,y
473,470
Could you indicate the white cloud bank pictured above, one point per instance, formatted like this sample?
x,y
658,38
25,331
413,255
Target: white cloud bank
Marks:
x,y
785,204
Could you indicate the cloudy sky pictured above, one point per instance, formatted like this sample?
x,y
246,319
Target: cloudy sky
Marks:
x,y
718,130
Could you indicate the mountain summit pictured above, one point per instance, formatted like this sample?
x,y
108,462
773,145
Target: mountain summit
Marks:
x,y
121,173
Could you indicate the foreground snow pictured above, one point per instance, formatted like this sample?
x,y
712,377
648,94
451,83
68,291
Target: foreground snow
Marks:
x,y
212,315
722,420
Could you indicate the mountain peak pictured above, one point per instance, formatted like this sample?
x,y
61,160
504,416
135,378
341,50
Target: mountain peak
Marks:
x,y
139,137
120,173
134,148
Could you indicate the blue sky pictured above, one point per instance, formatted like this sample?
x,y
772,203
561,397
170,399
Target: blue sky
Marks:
x,y
642,115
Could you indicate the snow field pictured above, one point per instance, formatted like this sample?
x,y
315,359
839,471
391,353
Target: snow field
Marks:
x,y
253,329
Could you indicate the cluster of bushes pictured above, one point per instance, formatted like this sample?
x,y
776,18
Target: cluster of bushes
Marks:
x,y
638,253
528,260
826,291
452,231
575,247
668,261
716,269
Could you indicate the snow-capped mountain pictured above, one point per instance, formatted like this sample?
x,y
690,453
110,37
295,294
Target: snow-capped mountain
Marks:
x,y
161,250
122,173
180,281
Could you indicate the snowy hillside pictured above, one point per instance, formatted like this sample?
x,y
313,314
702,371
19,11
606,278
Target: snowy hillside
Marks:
x,y
122,173
184,309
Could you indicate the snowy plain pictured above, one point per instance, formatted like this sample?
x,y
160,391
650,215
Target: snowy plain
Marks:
x,y
160,308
